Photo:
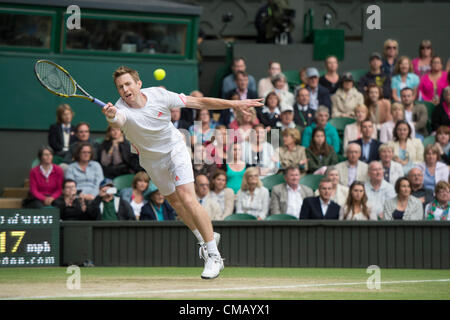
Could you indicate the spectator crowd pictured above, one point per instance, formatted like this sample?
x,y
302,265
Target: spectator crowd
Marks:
x,y
390,162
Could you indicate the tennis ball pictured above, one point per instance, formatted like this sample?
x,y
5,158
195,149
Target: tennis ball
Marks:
x,y
159,74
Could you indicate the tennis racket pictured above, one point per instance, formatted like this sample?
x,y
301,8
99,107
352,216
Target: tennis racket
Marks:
x,y
58,81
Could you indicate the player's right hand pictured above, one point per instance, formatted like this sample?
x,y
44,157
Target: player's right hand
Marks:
x,y
109,110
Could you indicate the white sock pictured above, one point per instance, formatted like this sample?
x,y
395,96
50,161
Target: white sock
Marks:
x,y
198,235
211,247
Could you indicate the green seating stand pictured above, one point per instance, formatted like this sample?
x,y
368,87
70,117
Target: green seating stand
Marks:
x,y
123,181
312,181
273,180
283,216
240,216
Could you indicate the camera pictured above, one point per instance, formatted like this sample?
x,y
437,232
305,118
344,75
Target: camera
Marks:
x,y
111,190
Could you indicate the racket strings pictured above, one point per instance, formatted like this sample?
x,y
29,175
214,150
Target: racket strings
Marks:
x,y
55,79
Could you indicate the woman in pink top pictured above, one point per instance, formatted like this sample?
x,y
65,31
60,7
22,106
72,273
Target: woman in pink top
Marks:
x,y
422,64
432,84
46,181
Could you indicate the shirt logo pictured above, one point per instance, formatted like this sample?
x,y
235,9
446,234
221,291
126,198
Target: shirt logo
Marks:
x,y
177,178
160,114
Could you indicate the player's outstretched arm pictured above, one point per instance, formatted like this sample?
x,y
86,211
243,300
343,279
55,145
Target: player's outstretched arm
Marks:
x,y
110,111
220,104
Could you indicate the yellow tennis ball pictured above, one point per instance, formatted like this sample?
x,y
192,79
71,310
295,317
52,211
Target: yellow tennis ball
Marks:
x,y
159,74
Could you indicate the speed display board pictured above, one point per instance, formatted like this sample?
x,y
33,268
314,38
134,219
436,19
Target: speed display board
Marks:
x,y
29,237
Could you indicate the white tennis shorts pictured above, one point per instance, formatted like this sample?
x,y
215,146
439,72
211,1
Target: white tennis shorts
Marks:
x,y
171,170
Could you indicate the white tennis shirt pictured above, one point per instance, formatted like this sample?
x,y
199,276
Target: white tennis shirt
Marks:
x,y
149,129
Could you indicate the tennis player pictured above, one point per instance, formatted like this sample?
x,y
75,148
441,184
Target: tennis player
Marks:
x,y
144,116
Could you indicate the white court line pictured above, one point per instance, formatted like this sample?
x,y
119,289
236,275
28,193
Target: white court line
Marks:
x,y
316,285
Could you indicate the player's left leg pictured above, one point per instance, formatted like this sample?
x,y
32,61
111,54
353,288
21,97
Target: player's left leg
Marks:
x,y
214,262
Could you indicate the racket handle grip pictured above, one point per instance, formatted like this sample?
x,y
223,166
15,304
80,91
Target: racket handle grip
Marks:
x,y
99,102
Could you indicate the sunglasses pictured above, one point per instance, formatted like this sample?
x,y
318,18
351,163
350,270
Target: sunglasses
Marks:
x,y
391,47
425,47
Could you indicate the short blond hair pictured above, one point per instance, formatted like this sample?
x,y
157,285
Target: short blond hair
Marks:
x,y
249,171
120,71
140,176
294,133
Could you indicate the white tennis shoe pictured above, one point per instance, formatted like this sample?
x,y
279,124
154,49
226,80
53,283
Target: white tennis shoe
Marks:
x,y
213,266
202,252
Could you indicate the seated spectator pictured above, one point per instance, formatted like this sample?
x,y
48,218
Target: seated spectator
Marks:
x,y
422,64
211,205
379,108
391,170
403,206
270,113
286,120
356,206
157,207
387,128
303,78
432,83
82,134
108,206
71,206
321,207
352,169
377,189
177,121
199,164
236,167
339,192
242,86
331,134
203,131
319,95
441,114
346,98
260,153
243,125
227,116
432,168
404,78
229,83
220,193
189,114
390,54
330,79
375,75
135,195
291,154
415,113
353,131
369,146
443,143
415,177
319,153
86,172
286,97
114,154
46,181
62,134
438,208
303,113
408,151
287,198
265,84
216,151
253,198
